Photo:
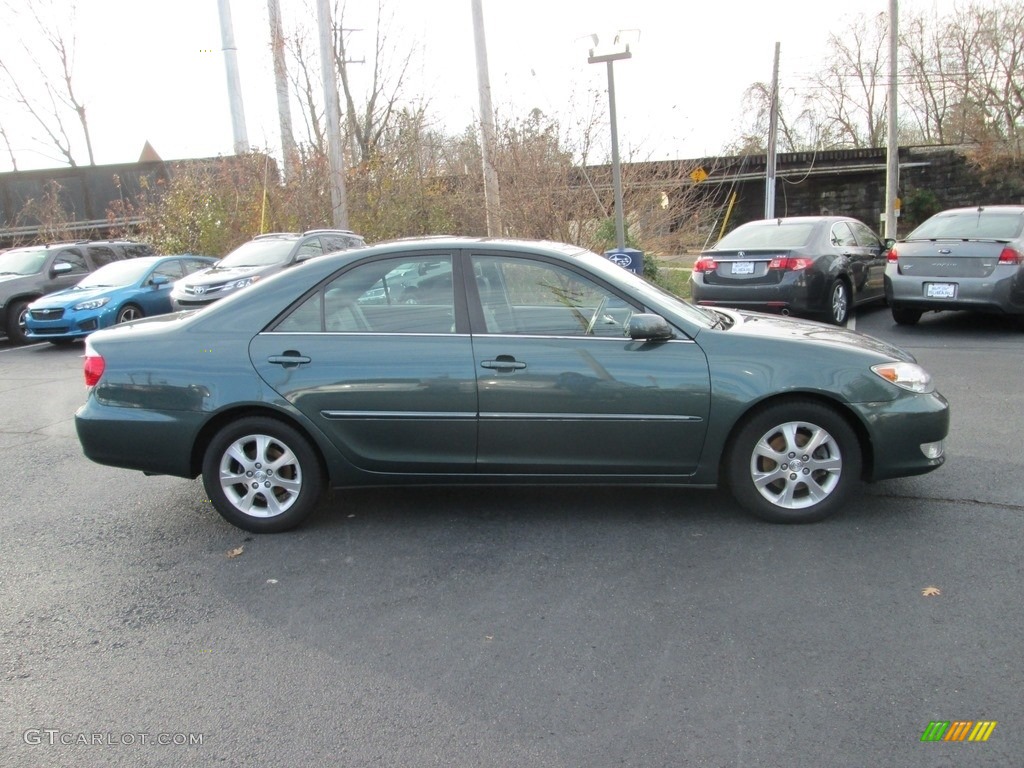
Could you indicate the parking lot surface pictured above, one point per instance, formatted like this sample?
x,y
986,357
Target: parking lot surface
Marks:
x,y
514,627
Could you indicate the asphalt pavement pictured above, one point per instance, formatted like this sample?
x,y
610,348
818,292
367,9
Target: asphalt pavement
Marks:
x,y
514,627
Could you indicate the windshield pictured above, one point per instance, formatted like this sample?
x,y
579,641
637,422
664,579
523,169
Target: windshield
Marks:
x,y
767,235
258,253
21,262
654,293
116,274
967,225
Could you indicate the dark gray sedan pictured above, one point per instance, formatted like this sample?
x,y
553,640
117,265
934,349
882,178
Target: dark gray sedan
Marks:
x,y
456,360
963,258
814,266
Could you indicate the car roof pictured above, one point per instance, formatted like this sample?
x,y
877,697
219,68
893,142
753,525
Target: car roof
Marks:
x,y
463,241
798,220
984,209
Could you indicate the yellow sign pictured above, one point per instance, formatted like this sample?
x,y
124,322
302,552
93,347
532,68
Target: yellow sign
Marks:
x,y
698,175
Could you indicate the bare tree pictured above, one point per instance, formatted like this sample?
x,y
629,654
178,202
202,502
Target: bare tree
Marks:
x,y
798,123
58,100
851,86
370,118
990,42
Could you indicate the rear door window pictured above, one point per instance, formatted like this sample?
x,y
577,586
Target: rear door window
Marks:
x,y
101,255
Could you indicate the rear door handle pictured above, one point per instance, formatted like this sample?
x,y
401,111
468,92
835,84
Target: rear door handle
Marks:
x,y
503,363
289,359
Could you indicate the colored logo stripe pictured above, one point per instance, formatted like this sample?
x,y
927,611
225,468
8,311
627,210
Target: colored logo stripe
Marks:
x,y
935,731
959,730
982,730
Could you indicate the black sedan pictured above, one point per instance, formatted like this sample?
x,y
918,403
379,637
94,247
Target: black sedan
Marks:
x,y
814,266
462,360
960,259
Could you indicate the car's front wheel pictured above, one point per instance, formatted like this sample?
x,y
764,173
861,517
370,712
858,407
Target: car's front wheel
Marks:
x,y
129,312
262,475
793,462
17,331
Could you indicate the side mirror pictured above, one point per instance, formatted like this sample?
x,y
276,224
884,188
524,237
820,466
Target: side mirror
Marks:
x,y
888,243
157,280
647,327
61,268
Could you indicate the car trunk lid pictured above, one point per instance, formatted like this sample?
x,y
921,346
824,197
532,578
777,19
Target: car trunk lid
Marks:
x,y
760,266
948,258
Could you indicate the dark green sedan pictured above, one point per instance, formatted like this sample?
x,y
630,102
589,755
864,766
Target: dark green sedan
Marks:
x,y
458,360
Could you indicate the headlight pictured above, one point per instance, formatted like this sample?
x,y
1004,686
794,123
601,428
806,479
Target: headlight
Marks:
x,y
241,283
906,375
93,303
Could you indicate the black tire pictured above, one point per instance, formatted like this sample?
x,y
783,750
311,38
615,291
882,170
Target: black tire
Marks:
x,y
129,312
772,478
905,316
838,311
262,475
16,331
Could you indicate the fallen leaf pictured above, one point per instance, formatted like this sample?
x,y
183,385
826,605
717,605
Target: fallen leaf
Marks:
x,y
931,591
236,551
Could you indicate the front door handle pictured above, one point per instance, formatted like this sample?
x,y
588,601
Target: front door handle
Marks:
x,y
289,359
503,363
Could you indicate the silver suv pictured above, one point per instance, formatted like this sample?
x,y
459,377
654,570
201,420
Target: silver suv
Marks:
x,y
260,257
34,271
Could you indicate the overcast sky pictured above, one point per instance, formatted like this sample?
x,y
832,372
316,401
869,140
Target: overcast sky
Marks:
x,y
150,71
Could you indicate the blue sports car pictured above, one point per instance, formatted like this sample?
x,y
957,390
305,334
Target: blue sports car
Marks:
x,y
119,292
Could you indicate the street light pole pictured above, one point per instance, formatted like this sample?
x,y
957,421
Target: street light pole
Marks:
x,y
610,59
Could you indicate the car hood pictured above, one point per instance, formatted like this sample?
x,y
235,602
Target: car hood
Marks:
x,y
217,276
10,278
70,296
756,324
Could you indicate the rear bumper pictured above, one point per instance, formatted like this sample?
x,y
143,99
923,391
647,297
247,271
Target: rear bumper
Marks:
x,y
796,293
155,442
979,294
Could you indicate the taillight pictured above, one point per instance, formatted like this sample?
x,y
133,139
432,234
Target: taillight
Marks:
x,y
790,264
1010,256
705,264
93,365
892,257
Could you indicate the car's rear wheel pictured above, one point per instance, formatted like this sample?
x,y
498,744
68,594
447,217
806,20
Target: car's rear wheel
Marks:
x,y
129,312
262,475
838,303
905,316
793,462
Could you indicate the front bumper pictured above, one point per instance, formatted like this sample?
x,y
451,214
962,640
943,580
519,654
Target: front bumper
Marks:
x,y
71,325
903,433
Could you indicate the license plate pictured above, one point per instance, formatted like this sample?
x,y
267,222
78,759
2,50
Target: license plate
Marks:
x,y
940,290
743,268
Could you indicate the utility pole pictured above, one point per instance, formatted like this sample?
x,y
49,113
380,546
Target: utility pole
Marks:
x,y
492,200
609,59
773,129
892,152
335,155
227,36
284,113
